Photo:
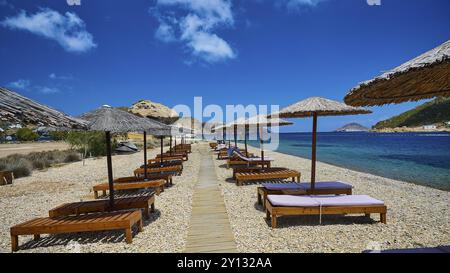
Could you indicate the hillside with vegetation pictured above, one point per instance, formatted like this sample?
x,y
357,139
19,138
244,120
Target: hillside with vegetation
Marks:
x,y
435,112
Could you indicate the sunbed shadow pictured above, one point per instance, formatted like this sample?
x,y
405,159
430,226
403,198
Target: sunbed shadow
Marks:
x,y
224,166
327,220
258,207
82,238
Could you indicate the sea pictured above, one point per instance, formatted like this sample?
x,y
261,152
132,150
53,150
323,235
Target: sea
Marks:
x,y
421,158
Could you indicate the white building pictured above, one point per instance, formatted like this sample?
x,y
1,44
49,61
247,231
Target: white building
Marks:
x,y
429,127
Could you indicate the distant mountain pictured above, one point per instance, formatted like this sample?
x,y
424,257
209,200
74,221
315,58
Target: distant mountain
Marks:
x,y
353,127
433,112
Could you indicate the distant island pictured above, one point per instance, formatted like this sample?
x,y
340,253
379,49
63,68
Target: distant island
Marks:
x,y
353,127
432,116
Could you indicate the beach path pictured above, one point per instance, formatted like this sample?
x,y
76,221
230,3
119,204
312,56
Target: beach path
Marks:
x,y
209,229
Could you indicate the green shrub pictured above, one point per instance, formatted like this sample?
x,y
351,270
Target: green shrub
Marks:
x,y
72,157
58,135
26,134
23,165
20,168
89,143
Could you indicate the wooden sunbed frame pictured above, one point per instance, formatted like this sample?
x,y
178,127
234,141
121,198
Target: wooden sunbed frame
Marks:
x,y
171,169
124,220
184,155
266,174
146,203
213,145
167,159
272,212
223,154
6,178
238,161
131,179
165,164
157,184
262,193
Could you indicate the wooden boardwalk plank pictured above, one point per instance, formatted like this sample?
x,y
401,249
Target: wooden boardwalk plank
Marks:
x,y
209,229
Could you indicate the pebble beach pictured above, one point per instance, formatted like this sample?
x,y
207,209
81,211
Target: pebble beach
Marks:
x,y
417,215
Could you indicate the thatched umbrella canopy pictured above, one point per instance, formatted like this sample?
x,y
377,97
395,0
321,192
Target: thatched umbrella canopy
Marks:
x,y
110,121
15,108
424,77
313,107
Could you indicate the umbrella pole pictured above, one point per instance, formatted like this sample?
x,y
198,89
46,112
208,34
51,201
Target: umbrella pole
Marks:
x,y
313,156
170,145
145,155
261,145
245,140
110,172
235,136
162,151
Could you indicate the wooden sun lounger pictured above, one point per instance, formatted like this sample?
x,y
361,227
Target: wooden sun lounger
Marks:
x,y
263,192
266,174
165,164
184,156
213,145
238,161
187,147
83,223
223,154
166,159
146,203
157,184
171,169
274,211
131,179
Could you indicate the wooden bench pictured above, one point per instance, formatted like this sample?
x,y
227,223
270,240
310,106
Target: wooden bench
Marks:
x,y
154,176
6,178
166,159
268,174
175,170
83,223
157,184
146,203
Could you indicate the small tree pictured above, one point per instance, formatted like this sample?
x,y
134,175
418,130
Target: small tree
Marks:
x,y
26,134
92,143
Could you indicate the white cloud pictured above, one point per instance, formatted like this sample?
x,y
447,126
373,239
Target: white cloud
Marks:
x,y
298,4
53,76
193,23
47,90
68,30
20,84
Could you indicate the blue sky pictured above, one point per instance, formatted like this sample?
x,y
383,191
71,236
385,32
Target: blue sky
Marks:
x,y
78,57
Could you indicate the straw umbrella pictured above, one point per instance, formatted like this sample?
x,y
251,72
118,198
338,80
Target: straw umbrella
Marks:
x,y
424,77
314,107
110,121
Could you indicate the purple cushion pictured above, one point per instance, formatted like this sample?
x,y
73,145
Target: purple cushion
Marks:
x,y
292,201
282,186
348,200
327,185
325,201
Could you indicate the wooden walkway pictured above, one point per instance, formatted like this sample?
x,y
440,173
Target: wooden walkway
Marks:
x,y
209,229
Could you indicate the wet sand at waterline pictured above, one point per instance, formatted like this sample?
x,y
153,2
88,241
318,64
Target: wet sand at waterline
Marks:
x,y
417,215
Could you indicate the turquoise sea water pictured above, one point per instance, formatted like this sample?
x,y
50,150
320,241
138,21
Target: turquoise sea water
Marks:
x,y
422,158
